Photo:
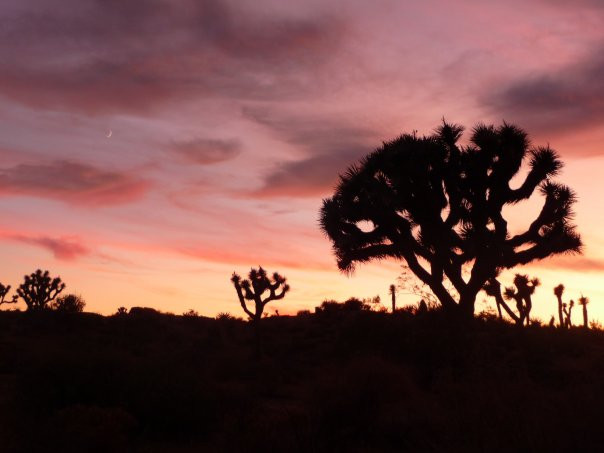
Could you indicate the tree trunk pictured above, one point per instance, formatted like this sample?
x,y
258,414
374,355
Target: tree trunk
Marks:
x,y
498,308
528,308
585,316
257,338
466,305
393,303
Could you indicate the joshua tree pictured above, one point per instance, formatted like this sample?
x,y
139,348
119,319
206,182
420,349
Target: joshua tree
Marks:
x,y
70,303
255,286
39,289
252,289
558,291
583,301
493,288
525,288
392,291
438,206
121,311
3,293
568,310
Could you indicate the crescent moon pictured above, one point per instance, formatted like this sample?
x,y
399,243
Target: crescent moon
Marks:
x,y
109,133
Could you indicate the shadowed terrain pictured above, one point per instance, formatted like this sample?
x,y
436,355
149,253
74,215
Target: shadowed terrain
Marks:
x,y
347,380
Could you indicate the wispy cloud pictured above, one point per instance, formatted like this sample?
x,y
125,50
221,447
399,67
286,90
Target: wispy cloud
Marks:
x,y
73,183
573,264
66,248
556,101
205,151
331,146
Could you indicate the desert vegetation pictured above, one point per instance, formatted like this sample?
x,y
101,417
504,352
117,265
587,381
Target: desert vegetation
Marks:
x,y
347,376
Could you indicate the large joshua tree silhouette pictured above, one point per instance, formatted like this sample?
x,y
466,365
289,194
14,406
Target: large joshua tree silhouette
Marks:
x,y
438,206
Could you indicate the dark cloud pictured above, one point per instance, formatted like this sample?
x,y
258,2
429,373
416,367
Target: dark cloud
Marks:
x,y
559,101
99,56
67,249
72,182
207,151
331,145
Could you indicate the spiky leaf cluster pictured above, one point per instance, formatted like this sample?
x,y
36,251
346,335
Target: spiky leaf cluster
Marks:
x,y
39,289
438,206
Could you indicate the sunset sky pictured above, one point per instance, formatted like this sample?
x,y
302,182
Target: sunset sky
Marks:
x,y
229,121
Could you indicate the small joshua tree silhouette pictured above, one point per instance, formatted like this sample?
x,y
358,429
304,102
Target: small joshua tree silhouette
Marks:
x,y
558,291
252,289
493,288
583,301
392,291
39,289
524,289
3,292
568,310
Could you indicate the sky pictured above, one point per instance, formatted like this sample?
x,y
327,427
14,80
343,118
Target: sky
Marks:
x,y
150,148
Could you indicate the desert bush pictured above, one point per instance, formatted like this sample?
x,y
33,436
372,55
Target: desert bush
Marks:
x,y
70,303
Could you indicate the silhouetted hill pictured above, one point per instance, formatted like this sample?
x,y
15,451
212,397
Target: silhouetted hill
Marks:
x,y
349,381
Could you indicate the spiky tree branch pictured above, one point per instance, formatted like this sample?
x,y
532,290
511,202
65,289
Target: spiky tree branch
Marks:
x,y
438,206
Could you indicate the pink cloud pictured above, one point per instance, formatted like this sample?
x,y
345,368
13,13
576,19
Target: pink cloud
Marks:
x,y
254,258
73,183
573,263
206,151
66,248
